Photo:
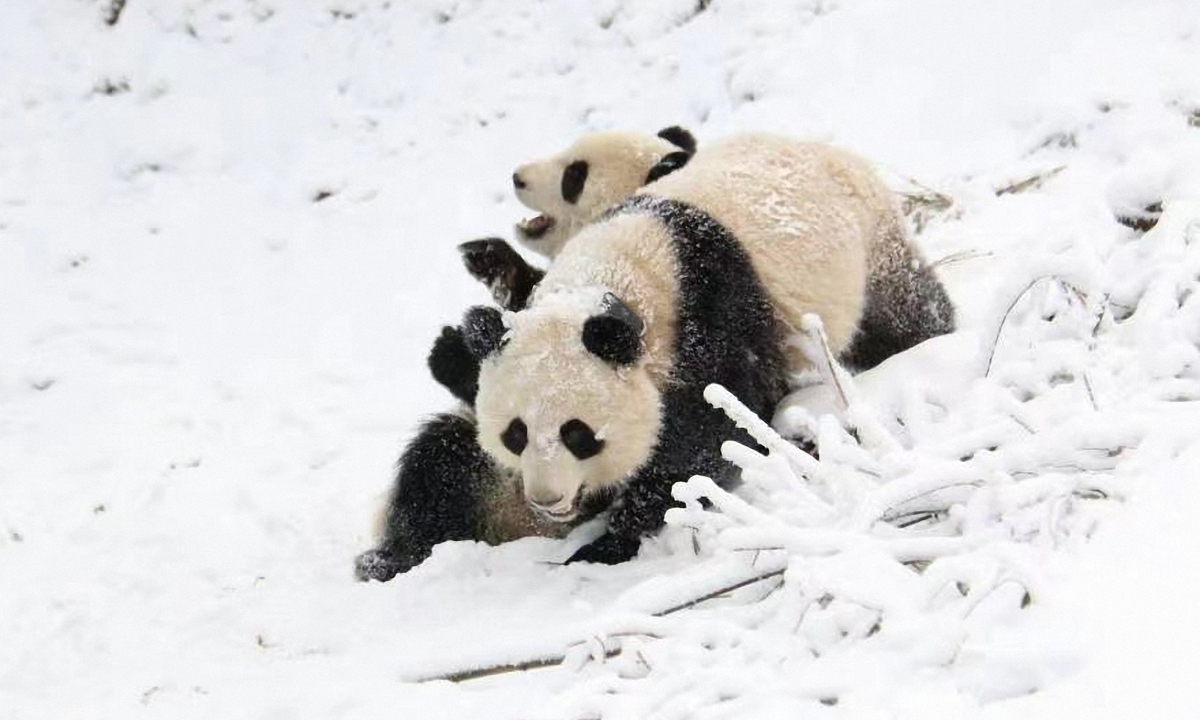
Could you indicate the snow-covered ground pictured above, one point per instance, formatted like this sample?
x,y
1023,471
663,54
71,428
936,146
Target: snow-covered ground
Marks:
x,y
227,240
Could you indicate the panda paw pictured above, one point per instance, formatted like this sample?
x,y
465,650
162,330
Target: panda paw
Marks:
x,y
497,265
453,365
377,565
608,549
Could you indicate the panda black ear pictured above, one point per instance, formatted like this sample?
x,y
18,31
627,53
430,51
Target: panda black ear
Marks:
x,y
615,335
669,164
483,331
679,137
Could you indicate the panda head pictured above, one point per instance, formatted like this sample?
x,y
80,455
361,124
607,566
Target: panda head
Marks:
x,y
597,171
565,399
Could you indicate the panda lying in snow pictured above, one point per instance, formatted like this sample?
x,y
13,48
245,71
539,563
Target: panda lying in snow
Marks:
x,y
593,396
446,487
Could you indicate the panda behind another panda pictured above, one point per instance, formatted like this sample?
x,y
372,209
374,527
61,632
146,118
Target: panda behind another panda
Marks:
x,y
596,389
569,189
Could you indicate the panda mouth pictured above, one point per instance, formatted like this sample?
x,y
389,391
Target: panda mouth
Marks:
x,y
560,516
536,227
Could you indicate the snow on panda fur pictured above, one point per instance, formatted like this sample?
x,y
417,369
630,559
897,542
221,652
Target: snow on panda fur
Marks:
x,y
594,392
569,189
446,487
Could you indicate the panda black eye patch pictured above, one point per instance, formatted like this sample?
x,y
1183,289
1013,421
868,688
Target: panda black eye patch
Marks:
x,y
574,176
515,436
580,439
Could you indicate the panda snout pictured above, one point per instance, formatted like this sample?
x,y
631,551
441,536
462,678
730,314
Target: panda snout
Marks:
x,y
518,183
545,502
553,506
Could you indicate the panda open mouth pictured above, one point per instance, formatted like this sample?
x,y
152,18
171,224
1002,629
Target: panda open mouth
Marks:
x,y
536,227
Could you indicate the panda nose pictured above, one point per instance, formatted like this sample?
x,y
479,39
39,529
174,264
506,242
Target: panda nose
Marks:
x,y
518,183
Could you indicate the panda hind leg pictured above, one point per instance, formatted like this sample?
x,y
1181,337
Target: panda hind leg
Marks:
x,y
442,479
906,305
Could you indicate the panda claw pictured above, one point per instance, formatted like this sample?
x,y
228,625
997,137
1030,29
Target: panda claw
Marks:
x,y
608,549
497,265
377,565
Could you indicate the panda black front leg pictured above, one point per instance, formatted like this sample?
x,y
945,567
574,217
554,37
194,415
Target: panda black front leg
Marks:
x,y
608,549
456,354
496,264
639,511
453,365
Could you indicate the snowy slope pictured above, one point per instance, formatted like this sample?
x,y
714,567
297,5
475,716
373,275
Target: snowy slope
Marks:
x,y
227,238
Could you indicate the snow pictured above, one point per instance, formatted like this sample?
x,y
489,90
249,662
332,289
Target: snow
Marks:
x,y
227,240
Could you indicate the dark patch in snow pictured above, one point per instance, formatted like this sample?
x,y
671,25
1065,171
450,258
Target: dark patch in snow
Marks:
x,y
1142,219
43,384
1064,139
112,12
322,194
111,87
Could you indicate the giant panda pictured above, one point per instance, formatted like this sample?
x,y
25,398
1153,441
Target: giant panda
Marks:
x,y
905,302
568,189
446,487
593,393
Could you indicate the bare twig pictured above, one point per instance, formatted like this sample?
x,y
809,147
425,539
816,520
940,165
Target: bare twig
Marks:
x,y
464,675
1004,320
723,591
492,670
1030,183
961,256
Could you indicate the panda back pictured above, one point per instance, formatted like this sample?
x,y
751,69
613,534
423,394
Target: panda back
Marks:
x,y
805,213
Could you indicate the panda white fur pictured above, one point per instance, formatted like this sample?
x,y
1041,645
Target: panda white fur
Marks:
x,y
569,189
595,390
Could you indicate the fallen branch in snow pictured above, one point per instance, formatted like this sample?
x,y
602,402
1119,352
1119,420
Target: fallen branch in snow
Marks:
x,y
1032,182
492,670
556,659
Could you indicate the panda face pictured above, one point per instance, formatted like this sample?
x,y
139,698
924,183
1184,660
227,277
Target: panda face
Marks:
x,y
570,422
572,187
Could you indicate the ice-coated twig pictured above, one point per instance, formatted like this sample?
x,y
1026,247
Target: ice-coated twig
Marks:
x,y
763,434
1066,285
815,345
